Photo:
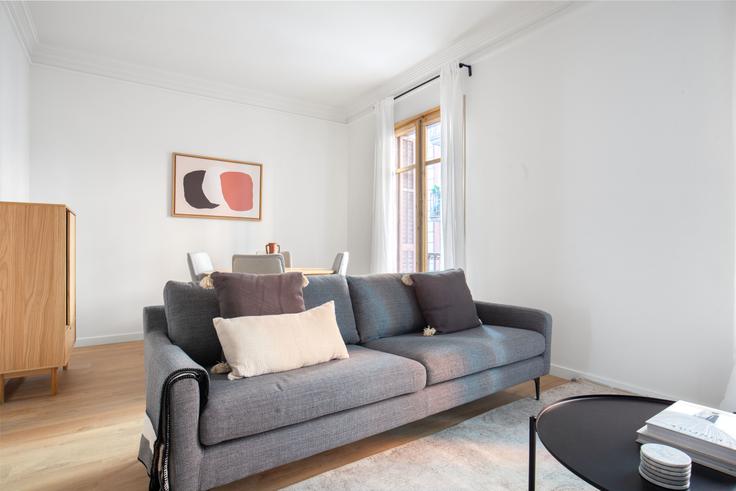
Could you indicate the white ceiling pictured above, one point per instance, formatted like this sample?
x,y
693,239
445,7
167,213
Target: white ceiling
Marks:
x,y
326,54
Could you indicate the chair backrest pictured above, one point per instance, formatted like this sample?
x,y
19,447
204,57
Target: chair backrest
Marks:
x,y
340,266
199,264
286,254
287,258
258,263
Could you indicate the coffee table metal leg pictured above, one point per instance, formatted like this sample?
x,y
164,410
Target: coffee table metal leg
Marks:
x,y
532,451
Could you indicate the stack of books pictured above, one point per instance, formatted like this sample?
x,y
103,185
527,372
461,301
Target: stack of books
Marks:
x,y
707,435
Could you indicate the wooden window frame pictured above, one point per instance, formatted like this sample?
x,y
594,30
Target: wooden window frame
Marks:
x,y
418,124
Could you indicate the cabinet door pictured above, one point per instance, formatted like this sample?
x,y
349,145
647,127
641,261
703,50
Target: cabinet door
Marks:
x,y
71,280
32,286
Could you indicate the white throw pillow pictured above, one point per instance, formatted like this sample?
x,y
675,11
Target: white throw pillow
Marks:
x,y
255,345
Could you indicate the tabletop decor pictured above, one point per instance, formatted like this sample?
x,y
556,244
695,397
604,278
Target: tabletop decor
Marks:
x,y
665,466
707,434
208,187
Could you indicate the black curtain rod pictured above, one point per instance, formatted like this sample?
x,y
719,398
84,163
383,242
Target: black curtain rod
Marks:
x,y
462,65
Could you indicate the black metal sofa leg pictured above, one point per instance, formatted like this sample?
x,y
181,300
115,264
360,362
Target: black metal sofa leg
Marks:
x,y
536,387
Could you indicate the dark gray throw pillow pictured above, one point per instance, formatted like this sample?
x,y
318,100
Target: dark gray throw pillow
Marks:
x,y
189,313
241,294
445,300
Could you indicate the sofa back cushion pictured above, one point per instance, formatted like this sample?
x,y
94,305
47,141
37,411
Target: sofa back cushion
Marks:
x,y
322,289
384,306
189,313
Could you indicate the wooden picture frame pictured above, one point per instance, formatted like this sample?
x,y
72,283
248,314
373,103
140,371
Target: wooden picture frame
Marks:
x,y
212,187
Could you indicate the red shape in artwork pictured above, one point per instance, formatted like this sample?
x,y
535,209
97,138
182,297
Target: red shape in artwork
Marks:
x,y
237,189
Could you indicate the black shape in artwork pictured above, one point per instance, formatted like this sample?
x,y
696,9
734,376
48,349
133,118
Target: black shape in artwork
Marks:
x,y
193,193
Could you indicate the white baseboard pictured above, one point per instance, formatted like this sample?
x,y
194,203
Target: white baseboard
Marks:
x,y
109,339
570,373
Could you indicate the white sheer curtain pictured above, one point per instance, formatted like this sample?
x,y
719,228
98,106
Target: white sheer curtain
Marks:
x,y
384,239
452,109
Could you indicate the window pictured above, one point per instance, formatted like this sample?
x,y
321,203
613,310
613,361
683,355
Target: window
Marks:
x,y
419,192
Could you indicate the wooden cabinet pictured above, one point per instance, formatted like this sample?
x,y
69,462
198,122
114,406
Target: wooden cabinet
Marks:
x,y
37,290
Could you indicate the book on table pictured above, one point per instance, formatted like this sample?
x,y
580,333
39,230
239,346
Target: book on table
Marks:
x,y
708,435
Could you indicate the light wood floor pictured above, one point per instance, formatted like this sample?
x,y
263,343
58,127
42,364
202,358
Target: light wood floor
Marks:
x,y
87,436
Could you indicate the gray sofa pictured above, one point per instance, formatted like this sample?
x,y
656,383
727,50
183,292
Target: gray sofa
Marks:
x,y
212,431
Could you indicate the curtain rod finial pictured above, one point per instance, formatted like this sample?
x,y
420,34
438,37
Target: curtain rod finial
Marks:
x,y
469,67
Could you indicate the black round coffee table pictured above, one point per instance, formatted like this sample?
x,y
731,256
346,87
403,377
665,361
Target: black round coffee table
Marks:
x,y
595,437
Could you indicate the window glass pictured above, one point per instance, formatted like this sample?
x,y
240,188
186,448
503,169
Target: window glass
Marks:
x,y
433,192
407,221
433,136
407,149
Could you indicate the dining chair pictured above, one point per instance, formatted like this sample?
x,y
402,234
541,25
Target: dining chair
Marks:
x,y
199,264
340,265
258,263
287,258
286,254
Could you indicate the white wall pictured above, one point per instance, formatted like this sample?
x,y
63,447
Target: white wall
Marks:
x,y
601,188
361,133
417,101
104,147
14,80
600,174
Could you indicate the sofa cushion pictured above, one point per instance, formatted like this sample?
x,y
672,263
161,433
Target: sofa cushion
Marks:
x,y
322,289
260,344
455,355
384,306
445,300
189,313
238,408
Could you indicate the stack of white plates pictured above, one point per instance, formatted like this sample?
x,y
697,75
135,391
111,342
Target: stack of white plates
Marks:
x,y
665,466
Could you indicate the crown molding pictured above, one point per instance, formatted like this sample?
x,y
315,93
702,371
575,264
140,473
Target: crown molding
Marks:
x,y
25,29
515,19
130,72
42,54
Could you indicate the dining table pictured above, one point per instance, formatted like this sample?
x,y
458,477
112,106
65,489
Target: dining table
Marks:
x,y
310,271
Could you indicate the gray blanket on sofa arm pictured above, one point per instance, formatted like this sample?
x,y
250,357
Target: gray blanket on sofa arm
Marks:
x,y
175,384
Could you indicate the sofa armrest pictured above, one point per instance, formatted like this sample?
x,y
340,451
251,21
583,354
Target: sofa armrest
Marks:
x,y
521,318
187,396
162,358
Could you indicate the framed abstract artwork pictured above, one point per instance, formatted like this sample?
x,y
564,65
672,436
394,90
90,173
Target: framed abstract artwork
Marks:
x,y
208,187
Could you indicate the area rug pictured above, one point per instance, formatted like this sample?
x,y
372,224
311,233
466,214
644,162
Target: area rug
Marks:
x,y
488,452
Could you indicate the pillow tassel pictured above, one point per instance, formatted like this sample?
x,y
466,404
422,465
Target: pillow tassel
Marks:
x,y
222,367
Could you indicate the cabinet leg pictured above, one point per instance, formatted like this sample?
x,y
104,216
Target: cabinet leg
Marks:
x,y
2,389
54,381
